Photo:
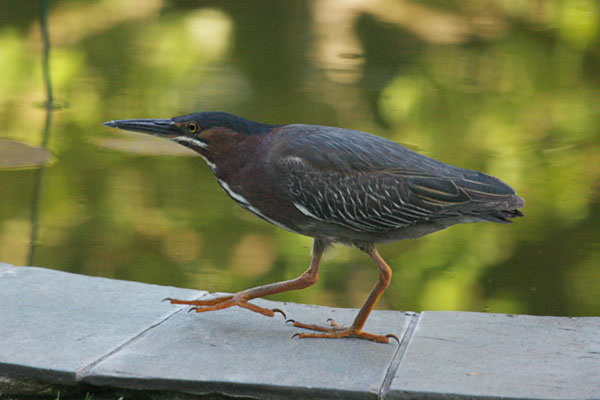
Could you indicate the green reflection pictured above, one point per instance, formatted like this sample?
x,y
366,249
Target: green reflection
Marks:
x,y
511,89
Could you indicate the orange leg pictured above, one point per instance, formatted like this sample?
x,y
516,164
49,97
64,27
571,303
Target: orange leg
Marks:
x,y
355,330
308,278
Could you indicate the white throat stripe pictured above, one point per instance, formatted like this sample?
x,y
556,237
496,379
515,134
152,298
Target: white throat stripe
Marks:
x,y
212,166
195,142
233,194
246,204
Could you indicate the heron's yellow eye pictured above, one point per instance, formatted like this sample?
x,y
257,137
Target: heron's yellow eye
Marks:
x,y
192,127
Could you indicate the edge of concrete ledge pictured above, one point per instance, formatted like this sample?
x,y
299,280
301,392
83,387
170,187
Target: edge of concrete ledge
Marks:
x,y
117,334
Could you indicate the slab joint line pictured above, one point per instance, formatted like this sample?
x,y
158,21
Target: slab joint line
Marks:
x,y
398,356
83,370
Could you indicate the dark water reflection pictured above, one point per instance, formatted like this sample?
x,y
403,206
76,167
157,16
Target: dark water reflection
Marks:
x,y
509,88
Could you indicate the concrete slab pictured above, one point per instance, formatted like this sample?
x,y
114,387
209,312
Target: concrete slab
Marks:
x,y
54,323
70,329
473,355
238,353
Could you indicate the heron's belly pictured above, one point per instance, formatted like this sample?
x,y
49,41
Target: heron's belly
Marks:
x,y
336,233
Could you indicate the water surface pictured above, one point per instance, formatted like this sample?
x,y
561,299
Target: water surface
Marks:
x,y
508,88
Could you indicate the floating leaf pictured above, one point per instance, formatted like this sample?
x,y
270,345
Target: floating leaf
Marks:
x,y
20,155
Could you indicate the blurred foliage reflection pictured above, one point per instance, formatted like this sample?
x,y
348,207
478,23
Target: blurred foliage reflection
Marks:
x,y
509,88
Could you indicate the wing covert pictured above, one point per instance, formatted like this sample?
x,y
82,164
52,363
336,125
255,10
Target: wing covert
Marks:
x,y
365,202
370,184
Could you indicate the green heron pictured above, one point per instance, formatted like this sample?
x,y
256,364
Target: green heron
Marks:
x,y
335,185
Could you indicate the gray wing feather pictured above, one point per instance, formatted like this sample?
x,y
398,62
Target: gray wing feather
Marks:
x,y
369,184
362,202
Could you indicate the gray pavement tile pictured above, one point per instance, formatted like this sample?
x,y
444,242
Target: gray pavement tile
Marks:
x,y
239,353
54,323
472,355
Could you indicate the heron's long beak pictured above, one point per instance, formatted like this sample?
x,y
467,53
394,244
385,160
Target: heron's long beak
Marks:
x,y
156,127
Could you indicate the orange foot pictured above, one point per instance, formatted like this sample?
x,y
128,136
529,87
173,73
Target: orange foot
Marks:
x,y
335,331
221,303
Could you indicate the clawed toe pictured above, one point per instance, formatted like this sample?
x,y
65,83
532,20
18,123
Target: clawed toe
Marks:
x,y
344,333
201,303
221,303
392,336
332,323
334,331
313,327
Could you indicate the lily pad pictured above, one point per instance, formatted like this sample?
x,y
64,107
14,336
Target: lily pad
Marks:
x,y
20,155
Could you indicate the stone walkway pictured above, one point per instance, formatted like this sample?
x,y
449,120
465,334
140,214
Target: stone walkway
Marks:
x,y
77,331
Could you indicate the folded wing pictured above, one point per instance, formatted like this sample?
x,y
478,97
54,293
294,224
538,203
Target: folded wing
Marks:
x,y
369,184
